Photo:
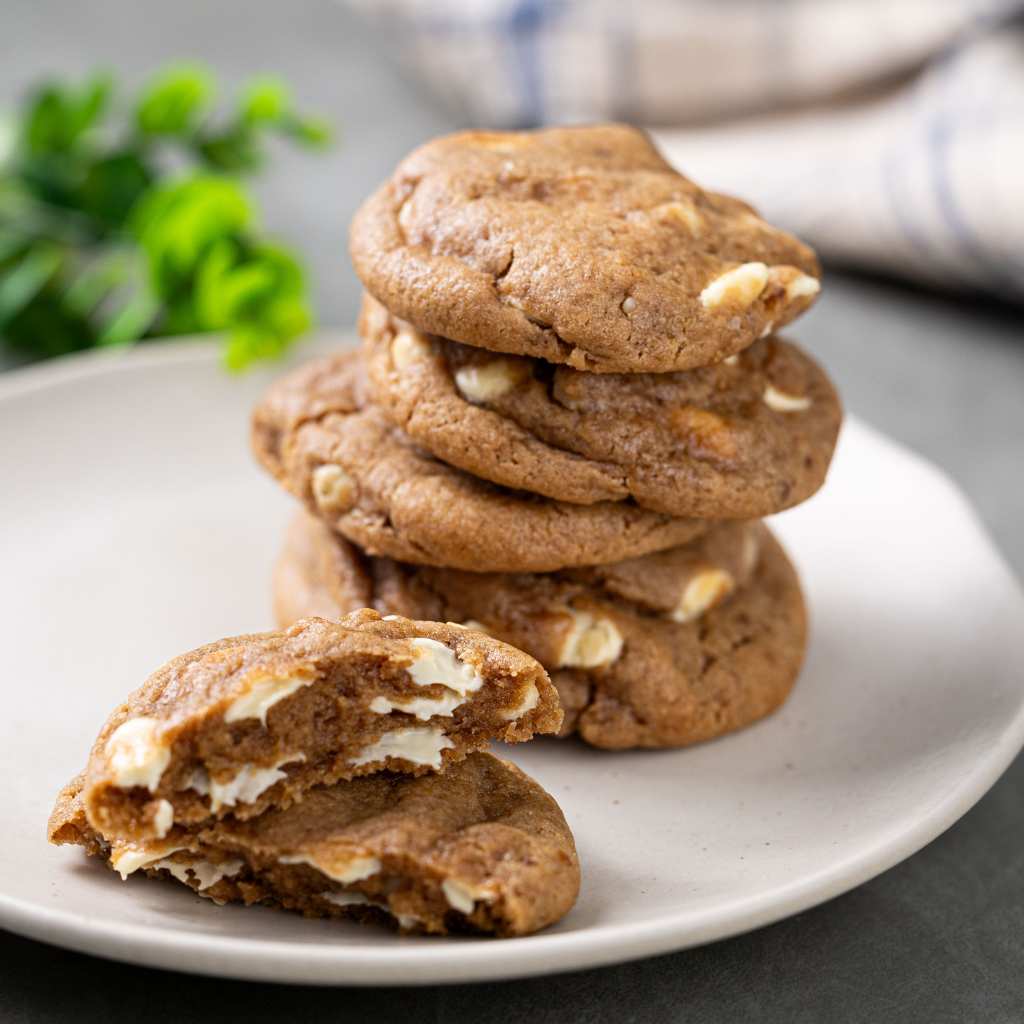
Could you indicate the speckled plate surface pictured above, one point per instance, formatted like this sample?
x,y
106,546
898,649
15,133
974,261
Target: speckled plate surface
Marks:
x,y
136,526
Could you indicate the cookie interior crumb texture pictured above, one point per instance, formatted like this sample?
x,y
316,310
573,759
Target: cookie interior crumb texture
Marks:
x,y
482,848
253,722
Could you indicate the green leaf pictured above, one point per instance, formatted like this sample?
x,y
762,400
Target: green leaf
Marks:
x,y
24,280
45,327
45,122
211,306
112,187
264,289
92,283
234,152
289,277
99,246
248,343
175,101
13,243
131,322
310,131
288,315
264,297
8,140
265,99
93,102
177,223
178,317
59,117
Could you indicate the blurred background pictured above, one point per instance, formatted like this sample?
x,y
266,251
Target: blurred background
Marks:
x,y
172,168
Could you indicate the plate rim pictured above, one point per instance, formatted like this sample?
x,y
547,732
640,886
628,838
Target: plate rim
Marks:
x,y
468,961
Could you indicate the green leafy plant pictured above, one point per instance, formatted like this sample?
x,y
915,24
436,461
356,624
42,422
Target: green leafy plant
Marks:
x,y
120,222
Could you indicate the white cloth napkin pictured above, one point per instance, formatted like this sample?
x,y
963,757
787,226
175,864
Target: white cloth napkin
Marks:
x,y
888,133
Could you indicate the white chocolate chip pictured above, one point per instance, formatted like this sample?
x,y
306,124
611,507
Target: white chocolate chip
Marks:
x,y
355,869
473,624
375,318
732,360
263,693
702,592
243,787
205,872
737,287
334,491
802,286
529,700
180,871
780,401
164,818
463,897
751,551
347,899
794,283
436,663
489,381
137,757
685,213
423,708
416,745
408,348
590,643
628,304
405,217
127,858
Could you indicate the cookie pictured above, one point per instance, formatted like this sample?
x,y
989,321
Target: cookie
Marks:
x,y
743,438
318,434
659,651
482,848
254,721
579,246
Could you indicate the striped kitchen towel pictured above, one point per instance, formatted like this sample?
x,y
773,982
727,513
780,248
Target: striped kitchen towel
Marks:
x,y
888,133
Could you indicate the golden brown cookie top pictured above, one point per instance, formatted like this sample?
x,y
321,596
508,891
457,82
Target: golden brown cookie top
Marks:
x,y
316,432
576,245
254,721
746,437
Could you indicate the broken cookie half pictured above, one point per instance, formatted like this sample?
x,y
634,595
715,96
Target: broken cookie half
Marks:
x,y
480,848
254,722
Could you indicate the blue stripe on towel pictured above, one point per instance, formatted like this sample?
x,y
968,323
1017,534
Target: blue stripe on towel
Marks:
x,y
526,23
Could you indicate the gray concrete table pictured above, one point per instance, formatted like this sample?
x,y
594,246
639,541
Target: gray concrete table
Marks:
x,y
939,938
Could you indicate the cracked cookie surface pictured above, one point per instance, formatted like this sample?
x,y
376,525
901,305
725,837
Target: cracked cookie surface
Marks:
x,y
576,245
741,439
482,848
661,650
317,432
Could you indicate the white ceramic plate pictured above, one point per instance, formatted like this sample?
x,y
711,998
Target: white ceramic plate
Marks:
x,y
136,526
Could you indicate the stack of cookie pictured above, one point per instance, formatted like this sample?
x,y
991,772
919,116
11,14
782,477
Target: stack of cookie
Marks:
x,y
569,414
